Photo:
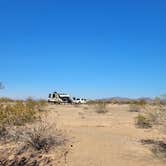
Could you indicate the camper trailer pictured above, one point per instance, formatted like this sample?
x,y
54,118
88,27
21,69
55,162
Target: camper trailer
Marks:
x,y
59,98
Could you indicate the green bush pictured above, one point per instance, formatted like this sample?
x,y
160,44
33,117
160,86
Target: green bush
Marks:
x,y
16,114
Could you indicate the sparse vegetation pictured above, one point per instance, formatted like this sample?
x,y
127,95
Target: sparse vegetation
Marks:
x,y
157,147
34,140
30,141
17,114
43,137
40,136
20,112
143,122
157,119
101,108
3,133
150,118
6,100
134,108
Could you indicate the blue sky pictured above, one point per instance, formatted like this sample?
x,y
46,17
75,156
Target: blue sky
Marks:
x,y
89,48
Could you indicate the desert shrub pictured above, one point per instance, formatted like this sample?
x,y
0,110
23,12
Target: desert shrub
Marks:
x,y
5,100
31,103
142,102
17,114
143,122
20,112
157,147
134,108
152,117
101,108
3,133
40,137
42,102
91,102
32,142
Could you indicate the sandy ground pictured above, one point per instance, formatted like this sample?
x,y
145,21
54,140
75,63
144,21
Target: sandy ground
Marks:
x,y
109,139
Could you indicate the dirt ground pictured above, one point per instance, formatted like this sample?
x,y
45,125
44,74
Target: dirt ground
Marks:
x,y
109,139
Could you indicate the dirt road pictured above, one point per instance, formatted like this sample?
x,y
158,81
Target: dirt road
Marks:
x,y
109,139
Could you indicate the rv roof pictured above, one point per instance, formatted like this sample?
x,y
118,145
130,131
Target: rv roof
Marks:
x,y
64,95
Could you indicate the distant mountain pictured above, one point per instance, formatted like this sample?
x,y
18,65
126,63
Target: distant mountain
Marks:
x,y
125,99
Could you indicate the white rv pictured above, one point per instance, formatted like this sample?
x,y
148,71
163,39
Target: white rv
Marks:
x,y
59,98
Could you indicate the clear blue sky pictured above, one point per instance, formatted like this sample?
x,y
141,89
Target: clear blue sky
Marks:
x,y
91,48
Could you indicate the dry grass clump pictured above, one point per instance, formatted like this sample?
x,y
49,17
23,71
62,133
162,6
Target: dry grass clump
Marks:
x,y
33,145
141,102
31,103
101,108
143,121
3,133
42,137
42,102
155,118
152,118
158,148
134,108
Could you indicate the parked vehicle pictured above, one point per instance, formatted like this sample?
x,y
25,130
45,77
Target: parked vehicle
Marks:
x,y
79,101
59,98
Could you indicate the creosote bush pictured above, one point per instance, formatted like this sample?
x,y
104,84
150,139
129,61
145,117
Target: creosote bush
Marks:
x,y
40,136
33,144
134,108
143,122
19,112
158,148
101,108
150,118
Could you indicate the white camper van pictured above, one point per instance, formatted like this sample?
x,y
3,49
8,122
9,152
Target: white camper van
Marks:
x,y
59,98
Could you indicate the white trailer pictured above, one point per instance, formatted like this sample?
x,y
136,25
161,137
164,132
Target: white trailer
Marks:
x,y
59,98
64,98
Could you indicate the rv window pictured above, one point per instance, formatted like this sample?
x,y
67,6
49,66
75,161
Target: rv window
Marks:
x,y
49,96
53,95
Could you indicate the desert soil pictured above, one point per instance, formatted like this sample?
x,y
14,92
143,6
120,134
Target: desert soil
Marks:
x,y
109,139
